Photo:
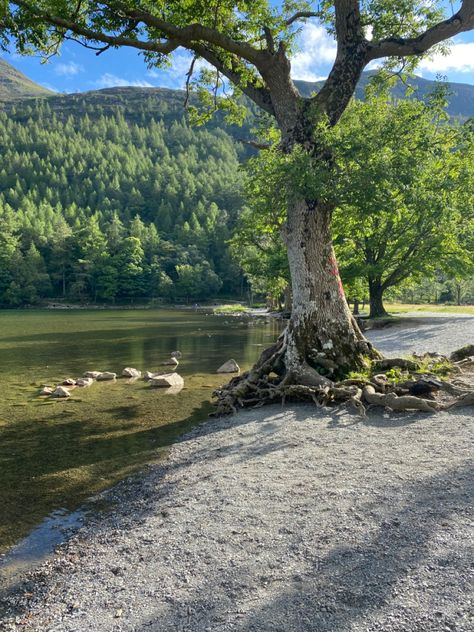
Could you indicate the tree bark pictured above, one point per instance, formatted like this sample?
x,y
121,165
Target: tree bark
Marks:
x,y
322,335
377,308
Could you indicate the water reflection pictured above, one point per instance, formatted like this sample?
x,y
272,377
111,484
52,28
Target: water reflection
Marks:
x,y
56,454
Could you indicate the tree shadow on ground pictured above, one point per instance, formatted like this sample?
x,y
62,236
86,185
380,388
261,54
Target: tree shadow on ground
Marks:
x,y
352,584
345,583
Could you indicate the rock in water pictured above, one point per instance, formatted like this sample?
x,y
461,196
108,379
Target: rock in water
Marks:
x,y
230,366
171,362
84,381
93,374
69,382
46,390
166,380
148,375
106,375
176,354
131,372
60,392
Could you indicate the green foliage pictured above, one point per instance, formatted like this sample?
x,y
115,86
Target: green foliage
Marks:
x,y
400,177
114,193
404,207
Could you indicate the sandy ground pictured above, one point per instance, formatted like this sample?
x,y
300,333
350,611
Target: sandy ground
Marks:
x,y
283,519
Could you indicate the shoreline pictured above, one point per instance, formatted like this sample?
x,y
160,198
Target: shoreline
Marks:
x,y
221,454
275,519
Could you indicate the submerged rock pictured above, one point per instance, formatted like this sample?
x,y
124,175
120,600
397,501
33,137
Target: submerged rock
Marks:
x,y
106,375
230,366
131,372
93,374
60,392
84,381
176,354
166,380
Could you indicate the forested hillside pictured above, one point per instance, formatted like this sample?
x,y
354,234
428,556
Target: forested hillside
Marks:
x,y
112,196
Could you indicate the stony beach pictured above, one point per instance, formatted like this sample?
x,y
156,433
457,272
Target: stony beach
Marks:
x,y
282,519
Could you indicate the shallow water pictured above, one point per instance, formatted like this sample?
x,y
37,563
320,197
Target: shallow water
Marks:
x,y
55,454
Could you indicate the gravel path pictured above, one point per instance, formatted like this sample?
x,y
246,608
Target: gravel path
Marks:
x,y
282,519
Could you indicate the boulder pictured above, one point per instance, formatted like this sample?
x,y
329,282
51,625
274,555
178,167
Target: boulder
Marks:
x,y
84,381
149,375
174,390
60,392
171,362
69,382
131,372
46,390
230,366
93,374
106,375
176,354
167,379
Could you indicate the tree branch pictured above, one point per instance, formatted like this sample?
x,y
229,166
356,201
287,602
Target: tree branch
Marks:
x,y
350,60
192,33
300,15
257,94
255,143
461,21
96,36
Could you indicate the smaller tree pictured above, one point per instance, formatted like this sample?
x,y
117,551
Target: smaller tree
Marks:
x,y
403,201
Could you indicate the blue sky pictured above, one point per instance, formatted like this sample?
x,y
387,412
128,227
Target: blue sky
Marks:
x,y
79,70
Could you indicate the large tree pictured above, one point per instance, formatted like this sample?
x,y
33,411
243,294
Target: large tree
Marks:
x,y
249,42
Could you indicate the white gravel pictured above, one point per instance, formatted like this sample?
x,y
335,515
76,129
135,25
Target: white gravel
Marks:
x,y
282,519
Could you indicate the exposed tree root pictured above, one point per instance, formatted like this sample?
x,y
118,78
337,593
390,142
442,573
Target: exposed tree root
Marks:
x,y
269,382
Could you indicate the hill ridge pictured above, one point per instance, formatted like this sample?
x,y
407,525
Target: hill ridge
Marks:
x,y
14,85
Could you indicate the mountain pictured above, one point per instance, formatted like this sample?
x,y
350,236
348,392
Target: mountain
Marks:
x,y
460,99
15,85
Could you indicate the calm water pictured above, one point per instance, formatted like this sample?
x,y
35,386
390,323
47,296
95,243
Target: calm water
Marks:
x,y
54,454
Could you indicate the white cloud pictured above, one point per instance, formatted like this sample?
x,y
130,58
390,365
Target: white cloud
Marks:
x,y
109,80
459,59
69,68
317,51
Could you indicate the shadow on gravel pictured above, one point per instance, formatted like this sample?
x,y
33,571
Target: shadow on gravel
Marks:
x,y
332,586
351,582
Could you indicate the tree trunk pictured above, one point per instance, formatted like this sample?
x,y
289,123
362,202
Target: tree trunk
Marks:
x,y
288,299
377,309
322,334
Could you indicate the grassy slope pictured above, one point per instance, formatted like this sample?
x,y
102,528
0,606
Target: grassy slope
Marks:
x,y
15,85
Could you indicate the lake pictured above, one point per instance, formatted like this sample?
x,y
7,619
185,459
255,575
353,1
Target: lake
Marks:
x,y
55,454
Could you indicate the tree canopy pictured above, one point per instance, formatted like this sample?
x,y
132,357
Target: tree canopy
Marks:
x,y
400,182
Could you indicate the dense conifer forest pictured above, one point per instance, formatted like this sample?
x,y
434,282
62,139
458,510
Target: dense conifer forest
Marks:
x,y
113,197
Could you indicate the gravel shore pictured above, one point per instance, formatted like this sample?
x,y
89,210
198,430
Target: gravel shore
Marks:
x,y
282,519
